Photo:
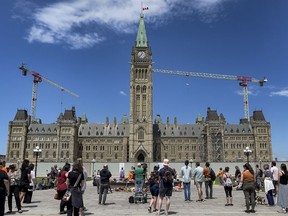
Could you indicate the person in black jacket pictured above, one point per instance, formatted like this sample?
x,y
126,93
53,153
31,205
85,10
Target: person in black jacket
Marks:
x,y
105,175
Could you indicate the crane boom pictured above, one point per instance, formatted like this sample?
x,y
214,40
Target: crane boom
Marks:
x,y
243,82
39,78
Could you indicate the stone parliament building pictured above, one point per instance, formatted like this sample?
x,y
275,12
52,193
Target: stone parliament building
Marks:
x,y
138,138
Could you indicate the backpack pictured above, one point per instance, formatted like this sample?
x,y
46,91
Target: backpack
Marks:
x,y
167,178
212,174
228,182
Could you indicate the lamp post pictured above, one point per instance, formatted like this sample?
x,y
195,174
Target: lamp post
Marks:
x,y
93,162
36,150
247,152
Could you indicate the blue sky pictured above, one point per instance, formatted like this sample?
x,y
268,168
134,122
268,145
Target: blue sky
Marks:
x,y
86,46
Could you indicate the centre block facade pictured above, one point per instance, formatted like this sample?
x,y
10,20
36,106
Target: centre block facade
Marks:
x,y
139,138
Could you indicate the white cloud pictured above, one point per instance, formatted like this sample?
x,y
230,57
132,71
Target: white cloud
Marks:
x,y
283,92
123,93
251,91
82,24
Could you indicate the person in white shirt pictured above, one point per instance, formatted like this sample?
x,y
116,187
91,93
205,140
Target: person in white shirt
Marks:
x,y
275,172
186,173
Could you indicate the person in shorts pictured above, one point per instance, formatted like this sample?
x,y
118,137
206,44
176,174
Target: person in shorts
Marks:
x,y
198,176
154,188
166,186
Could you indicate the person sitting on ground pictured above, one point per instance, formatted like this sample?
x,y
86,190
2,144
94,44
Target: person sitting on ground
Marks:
x,y
42,185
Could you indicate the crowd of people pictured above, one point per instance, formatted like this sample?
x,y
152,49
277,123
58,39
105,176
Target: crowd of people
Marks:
x,y
70,181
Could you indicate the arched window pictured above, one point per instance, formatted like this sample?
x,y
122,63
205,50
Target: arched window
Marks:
x,y
87,155
137,89
11,154
101,156
54,154
116,156
67,154
141,134
46,154
144,89
62,154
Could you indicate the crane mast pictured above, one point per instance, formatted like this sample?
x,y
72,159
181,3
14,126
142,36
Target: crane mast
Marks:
x,y
243,82
36,79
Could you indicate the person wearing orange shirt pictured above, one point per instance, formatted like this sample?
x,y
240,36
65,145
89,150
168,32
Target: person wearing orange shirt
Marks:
x,y
4,167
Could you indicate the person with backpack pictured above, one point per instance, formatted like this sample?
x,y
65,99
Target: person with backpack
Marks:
x,y
228,185
154,188
166,176
210,176
186,173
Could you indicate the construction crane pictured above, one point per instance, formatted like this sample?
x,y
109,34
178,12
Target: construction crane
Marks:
x,y
243,82
36,79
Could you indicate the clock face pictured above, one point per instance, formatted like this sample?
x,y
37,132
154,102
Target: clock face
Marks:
x,y
141,54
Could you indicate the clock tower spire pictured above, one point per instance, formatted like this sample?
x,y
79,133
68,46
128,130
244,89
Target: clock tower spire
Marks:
x,y
141,123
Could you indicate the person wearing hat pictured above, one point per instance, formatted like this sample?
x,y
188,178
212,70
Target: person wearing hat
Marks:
x,y
105,176
166,176
139,178
154,188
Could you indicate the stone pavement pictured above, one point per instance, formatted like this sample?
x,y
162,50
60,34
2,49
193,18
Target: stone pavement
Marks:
x,y
43,204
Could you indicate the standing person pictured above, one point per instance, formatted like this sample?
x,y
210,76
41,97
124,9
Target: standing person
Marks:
x,y
220,176
4,189
122,174
14,176
237,175
85,174
275,173
32,185
25,179
139,178
259,175
154,188
268,184
186,173
248,180
198,176
105,176
166,176
62,186
98,180
76,200
227,177
282,200
208,181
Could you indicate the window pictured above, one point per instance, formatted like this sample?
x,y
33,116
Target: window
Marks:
x,y
141,134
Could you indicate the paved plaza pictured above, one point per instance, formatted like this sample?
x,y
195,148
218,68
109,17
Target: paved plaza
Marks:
x,y
117,203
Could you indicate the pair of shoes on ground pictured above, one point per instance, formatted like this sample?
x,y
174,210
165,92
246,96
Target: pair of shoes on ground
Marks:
x,y
228,204
158,213
250,211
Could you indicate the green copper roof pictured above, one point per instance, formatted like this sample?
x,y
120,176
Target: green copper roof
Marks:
x,y
141,40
